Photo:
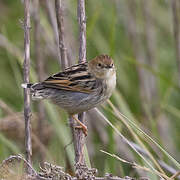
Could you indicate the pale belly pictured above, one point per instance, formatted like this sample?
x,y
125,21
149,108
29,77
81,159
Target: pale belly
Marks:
x,y
74,102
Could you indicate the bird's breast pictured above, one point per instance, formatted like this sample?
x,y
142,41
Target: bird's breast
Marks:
x,y
110,84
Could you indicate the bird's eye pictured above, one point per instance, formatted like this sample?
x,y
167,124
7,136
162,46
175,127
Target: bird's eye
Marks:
x,y
99,64
112,65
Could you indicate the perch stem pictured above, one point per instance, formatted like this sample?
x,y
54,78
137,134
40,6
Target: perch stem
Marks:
x,y
26,65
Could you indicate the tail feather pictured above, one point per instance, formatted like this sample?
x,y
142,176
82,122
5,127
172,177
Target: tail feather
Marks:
x,y
26,85
37,90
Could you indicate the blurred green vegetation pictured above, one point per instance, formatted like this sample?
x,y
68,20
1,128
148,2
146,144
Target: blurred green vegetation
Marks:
x,y
107,33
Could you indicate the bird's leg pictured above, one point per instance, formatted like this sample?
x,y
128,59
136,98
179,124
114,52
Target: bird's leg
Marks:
x,y
82,126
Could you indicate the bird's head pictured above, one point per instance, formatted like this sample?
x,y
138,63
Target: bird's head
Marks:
x,y
102,67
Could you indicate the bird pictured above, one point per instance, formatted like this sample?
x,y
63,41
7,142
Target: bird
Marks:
x,y
78,88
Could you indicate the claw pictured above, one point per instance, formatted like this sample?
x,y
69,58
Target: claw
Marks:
x,y
81,125
84,129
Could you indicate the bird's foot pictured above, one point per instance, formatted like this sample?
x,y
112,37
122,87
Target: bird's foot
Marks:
x,y
84,129
81,125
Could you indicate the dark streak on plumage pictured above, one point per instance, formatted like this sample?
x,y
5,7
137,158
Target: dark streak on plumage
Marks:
x,y
72,79
88,76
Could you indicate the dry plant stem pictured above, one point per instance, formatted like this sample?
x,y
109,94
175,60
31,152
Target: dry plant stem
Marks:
x,y
176,28
79,135
136,137
175,175
79,141
27,109
82,30
40,68
94,114
127,142
60,23
162,163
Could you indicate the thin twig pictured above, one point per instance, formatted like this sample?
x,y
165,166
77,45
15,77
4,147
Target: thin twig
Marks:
x,y
127,142
162,163
60,23
79,136
133,164
175,175
136,137
27,109
82,30
94,114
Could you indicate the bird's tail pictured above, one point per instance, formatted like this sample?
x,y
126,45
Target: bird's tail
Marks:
x,y
26,85
36,90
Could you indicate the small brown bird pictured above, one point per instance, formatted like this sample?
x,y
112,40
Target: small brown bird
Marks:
x,y
80,87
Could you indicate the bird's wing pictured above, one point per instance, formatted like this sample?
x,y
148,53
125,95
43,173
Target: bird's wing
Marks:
x,y
75,78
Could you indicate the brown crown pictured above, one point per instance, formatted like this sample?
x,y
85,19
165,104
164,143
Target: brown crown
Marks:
x,y
105,59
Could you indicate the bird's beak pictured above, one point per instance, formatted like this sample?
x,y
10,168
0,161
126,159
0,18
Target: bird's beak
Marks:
x,y
109,66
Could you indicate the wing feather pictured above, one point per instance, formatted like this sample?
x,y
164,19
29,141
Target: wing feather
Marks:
x,y
75,78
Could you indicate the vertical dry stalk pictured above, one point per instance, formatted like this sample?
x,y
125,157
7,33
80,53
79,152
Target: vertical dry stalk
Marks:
x,y
82,30
27,110
79,136
60,23
176,28
40,67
